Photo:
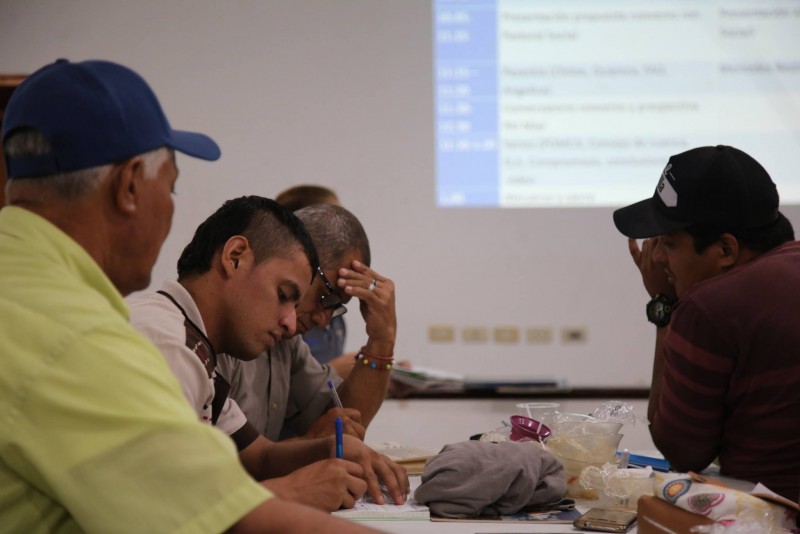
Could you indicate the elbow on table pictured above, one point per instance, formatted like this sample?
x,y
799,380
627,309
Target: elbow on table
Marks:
x,y
683,453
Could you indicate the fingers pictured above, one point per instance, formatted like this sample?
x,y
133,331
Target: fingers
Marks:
x,y
345,413
327,485
374,487
361,281
646,260
356,485
377,305
378,470
382,474
393,478
351,421
653,269
389,477
633,248
354,429
324,426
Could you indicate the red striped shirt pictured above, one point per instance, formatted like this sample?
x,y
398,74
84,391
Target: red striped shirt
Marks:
x,y
731,384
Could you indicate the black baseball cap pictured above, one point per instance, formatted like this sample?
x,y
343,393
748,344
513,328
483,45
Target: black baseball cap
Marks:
x,y
715,185
93,113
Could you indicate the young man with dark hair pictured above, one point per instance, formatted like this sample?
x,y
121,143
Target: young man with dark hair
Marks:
x,y
285,391
239,280
723,271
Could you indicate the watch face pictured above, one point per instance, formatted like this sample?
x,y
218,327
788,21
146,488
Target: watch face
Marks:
x,y
659,311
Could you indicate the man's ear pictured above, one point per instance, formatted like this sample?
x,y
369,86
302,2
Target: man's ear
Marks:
x,y
236,254
126,185
729,250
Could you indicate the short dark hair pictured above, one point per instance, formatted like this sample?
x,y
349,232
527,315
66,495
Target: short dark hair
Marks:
x,y
271,229
760,239
335,232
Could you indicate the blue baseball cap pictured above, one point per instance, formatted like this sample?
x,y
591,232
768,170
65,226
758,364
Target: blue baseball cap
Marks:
x,y
93,113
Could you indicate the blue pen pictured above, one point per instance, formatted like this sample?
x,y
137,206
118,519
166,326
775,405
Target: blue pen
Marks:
x,y
339,438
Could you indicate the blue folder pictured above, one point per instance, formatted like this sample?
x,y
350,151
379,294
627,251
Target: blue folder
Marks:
x,y
637,460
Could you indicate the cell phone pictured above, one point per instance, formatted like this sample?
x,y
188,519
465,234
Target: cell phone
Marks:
x,y
605,520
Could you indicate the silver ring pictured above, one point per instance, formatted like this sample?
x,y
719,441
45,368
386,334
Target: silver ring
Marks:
x,y
372,285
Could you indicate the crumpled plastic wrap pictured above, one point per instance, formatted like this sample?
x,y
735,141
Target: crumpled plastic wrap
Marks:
x,y
616,412
622,487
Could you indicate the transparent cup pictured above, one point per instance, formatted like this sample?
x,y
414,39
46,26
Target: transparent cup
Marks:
x,y
577,453
575,424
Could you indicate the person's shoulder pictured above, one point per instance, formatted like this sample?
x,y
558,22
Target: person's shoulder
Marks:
x,y
293,351
154,315
788,249
152,301
769,276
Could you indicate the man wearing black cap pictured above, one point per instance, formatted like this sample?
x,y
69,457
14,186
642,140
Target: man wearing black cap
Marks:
x,y
723,271
95,434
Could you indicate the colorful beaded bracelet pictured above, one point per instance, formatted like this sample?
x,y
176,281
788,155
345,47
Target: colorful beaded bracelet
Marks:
x,y
374,364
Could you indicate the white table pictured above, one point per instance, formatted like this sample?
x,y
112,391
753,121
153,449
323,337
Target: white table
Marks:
x,y
436,422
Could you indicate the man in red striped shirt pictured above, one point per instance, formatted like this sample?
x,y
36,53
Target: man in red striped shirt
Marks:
x,y
723,270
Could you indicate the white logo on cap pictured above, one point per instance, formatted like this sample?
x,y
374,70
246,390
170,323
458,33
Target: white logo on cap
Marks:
x,y
665,189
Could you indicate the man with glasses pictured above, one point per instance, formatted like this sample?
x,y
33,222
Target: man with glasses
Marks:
x,y
285,391
326,344
239,281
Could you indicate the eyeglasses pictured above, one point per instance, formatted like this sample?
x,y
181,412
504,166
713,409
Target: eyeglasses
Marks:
x,y
331,301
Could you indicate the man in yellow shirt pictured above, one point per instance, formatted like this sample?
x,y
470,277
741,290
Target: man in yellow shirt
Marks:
x,y
95,433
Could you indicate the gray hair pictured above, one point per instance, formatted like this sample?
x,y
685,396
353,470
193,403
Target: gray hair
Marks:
x,y
335,232
67,186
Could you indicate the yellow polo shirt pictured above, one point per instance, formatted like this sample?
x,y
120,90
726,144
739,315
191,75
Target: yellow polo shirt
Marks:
x,y
95,434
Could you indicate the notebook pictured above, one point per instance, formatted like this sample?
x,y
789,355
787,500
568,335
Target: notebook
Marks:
x,y
366,509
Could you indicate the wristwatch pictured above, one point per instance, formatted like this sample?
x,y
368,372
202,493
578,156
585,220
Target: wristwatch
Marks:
x,y
659,309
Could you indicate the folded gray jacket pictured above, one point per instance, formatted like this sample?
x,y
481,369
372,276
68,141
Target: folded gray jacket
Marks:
x,y
473,478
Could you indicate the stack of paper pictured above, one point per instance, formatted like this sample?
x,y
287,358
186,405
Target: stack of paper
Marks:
x,y
412,458
427,379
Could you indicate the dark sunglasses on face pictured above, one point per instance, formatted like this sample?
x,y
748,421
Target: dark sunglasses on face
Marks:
x,y
331,301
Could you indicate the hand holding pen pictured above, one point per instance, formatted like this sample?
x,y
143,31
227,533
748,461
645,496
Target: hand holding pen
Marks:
x,y
377,470
324,426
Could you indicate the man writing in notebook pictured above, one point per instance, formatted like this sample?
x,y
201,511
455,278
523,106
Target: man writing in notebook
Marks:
x,y
239,280
96,434
723,271
285,389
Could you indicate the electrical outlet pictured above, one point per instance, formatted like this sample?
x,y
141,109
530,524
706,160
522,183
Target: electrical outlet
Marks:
x,y
574,334
506,334
441,333
539,335
474,334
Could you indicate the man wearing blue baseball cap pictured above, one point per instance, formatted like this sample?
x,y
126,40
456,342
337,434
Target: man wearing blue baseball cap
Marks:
x,y
722,269
96,434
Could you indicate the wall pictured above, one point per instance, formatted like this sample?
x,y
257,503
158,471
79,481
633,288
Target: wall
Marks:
x,y
340,93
